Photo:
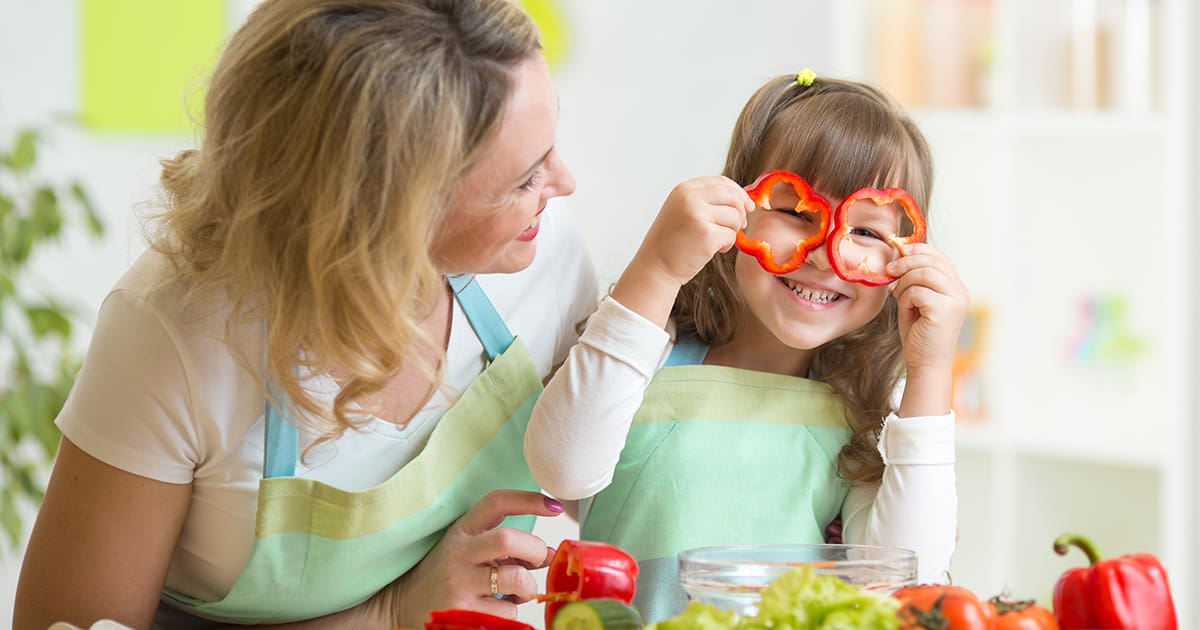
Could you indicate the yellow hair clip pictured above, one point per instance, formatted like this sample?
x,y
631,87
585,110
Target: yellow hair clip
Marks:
x,y
806,77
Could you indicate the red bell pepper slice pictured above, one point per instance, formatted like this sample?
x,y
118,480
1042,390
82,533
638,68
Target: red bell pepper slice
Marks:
x,y
582,569
1126,592
810,201
861,273
460,619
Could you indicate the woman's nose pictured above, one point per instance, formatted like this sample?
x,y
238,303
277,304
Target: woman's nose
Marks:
x,y
560,182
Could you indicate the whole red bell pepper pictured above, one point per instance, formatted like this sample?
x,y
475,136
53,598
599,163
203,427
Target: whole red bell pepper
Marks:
x,y
1127,592
460,619
582,569
809,201
842,228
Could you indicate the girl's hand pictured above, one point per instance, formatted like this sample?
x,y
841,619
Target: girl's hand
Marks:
x,y
933,304
457,572
699,218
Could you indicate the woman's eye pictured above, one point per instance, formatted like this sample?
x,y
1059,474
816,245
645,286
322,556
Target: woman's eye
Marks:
x,y
532,182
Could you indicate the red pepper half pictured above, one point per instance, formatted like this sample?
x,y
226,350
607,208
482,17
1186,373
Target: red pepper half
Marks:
x,y
842,227
810,201
584,569
1127,592
459,619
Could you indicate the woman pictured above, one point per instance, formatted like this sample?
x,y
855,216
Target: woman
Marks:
x,y
301,405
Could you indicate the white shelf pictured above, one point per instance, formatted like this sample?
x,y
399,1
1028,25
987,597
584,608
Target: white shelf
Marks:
x,y
975,438
1065,178
1045,122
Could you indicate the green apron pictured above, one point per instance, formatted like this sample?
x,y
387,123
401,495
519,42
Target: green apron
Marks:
x,y
719,456
319,550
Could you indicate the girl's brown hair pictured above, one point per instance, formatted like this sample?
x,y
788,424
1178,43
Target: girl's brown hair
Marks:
x,y
334,132
840,136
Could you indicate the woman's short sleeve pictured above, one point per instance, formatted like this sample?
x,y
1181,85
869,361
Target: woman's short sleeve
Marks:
x,y
130,404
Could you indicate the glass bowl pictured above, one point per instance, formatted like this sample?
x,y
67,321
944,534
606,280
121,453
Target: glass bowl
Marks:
x,y
732,576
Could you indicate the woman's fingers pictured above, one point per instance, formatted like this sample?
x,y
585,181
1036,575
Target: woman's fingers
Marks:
x,y
508,545
497,505
498,607
514,582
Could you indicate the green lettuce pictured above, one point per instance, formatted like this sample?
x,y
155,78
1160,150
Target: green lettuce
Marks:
x,y
797,600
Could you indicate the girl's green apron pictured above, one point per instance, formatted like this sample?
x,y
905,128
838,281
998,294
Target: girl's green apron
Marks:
x,y
719,456
319,550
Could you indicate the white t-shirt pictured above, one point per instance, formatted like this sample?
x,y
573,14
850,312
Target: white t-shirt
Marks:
x,y
580,422
160,395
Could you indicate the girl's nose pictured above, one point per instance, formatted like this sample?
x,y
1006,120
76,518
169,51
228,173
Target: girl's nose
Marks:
x,y
819,257
560,182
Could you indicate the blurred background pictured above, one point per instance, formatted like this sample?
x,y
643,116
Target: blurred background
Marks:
x,y
1065,143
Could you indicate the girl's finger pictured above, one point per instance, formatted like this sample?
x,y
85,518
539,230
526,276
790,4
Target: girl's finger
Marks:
x,y
913,249
929,277
726,192
905,264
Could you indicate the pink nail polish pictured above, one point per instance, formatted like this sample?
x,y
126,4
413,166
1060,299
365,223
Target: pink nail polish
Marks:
x,y
552,505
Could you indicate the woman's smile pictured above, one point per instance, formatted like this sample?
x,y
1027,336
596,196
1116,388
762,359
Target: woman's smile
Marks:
x,y
531,230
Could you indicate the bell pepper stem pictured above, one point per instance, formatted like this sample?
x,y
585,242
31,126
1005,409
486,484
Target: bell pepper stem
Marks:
x,y
1063,543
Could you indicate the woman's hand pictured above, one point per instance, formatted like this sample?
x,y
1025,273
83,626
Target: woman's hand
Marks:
x,y
457,572
933,304
700,217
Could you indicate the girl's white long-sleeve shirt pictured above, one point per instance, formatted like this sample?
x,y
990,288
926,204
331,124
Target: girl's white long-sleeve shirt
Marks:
x,y
580,422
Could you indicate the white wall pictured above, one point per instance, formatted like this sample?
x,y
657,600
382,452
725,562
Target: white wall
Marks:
x,y
649,92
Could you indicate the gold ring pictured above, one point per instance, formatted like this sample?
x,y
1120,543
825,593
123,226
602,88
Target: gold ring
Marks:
x,y
494,580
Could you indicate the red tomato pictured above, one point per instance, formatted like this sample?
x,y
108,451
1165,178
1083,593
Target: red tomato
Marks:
x,y
942,607
1021,615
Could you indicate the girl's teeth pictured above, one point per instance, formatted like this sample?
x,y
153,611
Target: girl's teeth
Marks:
x,y
532,224
812,295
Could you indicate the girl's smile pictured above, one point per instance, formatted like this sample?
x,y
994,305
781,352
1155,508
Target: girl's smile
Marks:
x,y
810,296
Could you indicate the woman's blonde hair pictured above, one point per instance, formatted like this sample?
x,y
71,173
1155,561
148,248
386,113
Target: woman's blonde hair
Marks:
x,y
840,136
334,133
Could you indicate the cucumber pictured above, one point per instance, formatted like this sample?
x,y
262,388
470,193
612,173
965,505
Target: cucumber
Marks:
x,y
597,614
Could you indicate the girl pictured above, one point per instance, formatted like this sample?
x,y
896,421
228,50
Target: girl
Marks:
x,y
711,401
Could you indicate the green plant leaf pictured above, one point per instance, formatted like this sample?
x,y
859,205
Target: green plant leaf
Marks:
x,y
24,153
22,242
33,211
47,216
46,321
9,518
25,483
6,207
94,224
7,291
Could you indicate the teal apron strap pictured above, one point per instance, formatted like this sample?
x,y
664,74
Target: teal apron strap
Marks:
x,y
280,445
488,326
282,439
687,351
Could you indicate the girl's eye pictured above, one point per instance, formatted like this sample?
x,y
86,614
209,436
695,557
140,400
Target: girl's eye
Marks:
x,y
858,231
806,216
532,182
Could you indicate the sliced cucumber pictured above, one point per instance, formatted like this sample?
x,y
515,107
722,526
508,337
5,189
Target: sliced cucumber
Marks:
x,y
597,614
